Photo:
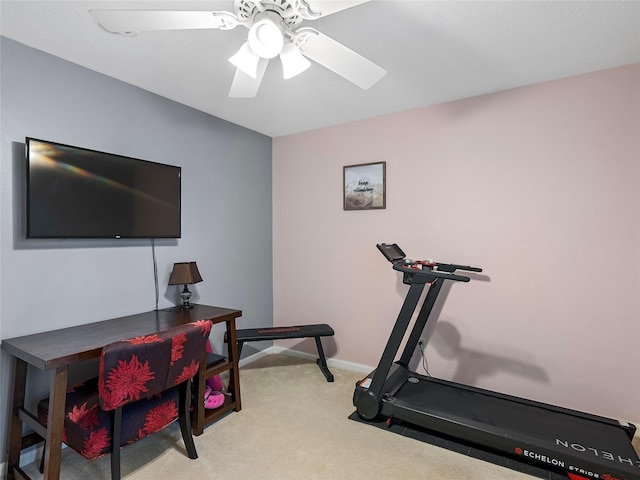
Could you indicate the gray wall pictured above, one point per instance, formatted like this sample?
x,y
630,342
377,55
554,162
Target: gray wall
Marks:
x,y
226,206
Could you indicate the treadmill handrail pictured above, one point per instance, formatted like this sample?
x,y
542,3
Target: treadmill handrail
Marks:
x,y
429,273
452,267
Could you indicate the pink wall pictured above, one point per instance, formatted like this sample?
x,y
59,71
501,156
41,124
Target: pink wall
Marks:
x,y
538,185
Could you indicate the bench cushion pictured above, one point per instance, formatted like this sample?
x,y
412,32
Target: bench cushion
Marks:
x,y
280,333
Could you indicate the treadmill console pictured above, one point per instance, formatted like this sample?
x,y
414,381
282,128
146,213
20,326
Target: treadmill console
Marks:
x,y
391,251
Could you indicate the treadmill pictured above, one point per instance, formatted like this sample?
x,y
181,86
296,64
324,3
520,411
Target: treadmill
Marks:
x,y
579,445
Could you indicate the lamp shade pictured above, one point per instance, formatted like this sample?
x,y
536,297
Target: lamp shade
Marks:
x,y
184,273
246,60
293,62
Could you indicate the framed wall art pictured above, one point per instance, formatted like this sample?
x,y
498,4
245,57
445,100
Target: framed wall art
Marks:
x,y
364,186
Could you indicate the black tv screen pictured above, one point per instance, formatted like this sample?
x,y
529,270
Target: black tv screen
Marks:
x,y
74,192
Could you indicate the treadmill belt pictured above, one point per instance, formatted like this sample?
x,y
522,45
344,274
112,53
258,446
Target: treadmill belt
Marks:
x,y
515,416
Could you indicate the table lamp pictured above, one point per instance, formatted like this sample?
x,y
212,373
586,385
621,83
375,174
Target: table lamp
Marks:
x,y
185,273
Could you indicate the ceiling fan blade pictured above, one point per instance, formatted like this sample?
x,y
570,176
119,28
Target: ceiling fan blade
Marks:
x,y
245,86
123,21
327,7
339,59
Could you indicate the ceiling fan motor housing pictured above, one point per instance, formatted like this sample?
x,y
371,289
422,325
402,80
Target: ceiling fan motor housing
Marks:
x,y
291,12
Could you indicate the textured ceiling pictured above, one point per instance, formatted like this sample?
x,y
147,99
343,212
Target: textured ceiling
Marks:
x,y
434,52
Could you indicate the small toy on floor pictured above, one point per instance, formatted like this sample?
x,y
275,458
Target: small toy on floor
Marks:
x,y
213,392
212,398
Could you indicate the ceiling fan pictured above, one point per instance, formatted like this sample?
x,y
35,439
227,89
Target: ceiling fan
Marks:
x,y
273,31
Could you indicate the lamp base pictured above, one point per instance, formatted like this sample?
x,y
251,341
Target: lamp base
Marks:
x,y
185,295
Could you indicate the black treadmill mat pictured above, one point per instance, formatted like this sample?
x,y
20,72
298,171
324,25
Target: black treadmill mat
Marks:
x,y
463,448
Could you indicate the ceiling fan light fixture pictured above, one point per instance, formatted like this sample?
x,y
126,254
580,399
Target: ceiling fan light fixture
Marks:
x,y
266,38
293,62
246,60
273,29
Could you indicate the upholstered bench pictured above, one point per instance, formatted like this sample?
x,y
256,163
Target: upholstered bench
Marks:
x,y
283,333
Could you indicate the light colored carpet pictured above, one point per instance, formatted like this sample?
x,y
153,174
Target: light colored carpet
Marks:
x,y
293,425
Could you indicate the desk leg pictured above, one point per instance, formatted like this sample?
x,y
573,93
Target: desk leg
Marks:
x,y
15,429
234,358
55,424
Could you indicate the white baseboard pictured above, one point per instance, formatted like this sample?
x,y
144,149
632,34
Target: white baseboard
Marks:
x,y
256,356
331,362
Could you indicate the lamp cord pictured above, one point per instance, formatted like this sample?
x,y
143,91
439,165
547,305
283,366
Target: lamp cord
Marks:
x,y
155,269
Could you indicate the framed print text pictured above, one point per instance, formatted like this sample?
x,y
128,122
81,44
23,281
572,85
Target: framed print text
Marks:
x,y
364,186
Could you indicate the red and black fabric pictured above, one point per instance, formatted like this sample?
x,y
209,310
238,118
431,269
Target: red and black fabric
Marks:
x,y
139,380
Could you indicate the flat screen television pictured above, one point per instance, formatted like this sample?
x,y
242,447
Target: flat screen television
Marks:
x,y
75,192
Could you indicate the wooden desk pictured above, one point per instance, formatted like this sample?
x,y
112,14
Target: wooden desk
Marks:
x,y
58,349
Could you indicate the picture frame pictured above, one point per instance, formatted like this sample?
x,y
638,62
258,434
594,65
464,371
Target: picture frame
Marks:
x,y
364,186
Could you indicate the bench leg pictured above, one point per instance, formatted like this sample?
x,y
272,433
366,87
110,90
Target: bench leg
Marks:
x,y
322,361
